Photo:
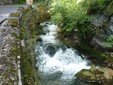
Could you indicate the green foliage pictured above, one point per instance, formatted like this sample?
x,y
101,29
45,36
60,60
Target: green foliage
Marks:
x,y
97,6
109,41
62,10
20,1
94,54
109,8
16,14
94,6
74,18
85,31
72,15
13,22
29,28
31,19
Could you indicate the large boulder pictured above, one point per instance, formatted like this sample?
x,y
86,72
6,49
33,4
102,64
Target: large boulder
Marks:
x,y
96,75
99,20
104,37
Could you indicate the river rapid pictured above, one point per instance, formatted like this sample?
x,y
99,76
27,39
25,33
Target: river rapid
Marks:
x,y
57,64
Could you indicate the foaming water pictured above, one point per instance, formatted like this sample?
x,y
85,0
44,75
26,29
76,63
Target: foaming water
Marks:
x,y
61,65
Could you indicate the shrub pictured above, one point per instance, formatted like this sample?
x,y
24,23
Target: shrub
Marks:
x,y
73,15
70,15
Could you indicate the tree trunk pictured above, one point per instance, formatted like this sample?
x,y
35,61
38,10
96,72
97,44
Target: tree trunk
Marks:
x,y
29,2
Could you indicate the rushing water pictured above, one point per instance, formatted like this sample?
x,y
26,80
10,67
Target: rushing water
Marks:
x,y
57,64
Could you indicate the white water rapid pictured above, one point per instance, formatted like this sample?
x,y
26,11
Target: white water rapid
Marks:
x,y
56,63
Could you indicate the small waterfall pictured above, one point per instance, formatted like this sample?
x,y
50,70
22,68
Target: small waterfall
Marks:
x,y
57,64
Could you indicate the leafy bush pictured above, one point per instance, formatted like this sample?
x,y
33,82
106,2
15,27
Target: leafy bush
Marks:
x,y
72,15
29,28
64,12
109,41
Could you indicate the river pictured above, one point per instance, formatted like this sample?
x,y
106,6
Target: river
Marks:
x,y
57,64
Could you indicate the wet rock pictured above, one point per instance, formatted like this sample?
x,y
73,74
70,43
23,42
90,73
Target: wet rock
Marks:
x,y
39,39
103,40
104,31
110,30
46,29
51,76
111,19
99,20
50,49
97,75
101,43
46,23
55,75
41,32
63,47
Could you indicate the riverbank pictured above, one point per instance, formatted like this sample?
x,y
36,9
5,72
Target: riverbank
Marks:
x,y
87,27
21,34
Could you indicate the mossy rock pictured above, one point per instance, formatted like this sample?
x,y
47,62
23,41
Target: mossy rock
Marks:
x,y
30,29
13,22
95,74
109,9
16,14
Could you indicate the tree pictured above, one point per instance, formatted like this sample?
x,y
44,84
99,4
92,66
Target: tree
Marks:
x,y
29,2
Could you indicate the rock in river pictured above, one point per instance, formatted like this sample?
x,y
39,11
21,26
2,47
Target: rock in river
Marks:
x,y
98,75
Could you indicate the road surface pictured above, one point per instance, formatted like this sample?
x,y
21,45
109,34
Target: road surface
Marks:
x,y
7,9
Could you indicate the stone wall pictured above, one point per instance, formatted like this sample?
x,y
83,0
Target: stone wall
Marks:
x,y
18,35
4,2
8,62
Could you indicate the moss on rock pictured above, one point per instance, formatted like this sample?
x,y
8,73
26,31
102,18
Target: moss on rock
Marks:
x,y
30,28
15,14
25,40
13,22
99,75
